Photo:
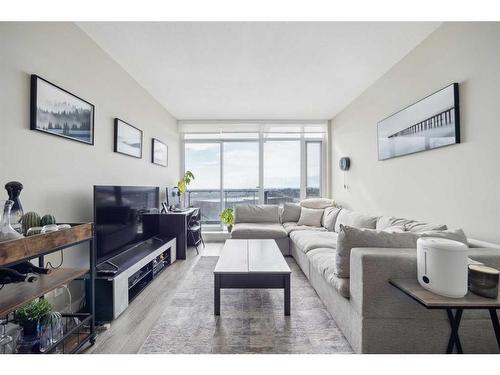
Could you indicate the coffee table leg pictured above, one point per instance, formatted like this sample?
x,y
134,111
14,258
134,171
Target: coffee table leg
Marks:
x,y
287,294
496,325
216,294
454,324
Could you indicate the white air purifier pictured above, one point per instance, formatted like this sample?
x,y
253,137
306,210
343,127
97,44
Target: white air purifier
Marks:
x,y
442,266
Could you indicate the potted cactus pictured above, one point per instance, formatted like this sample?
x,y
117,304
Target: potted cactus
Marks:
x,y
227,218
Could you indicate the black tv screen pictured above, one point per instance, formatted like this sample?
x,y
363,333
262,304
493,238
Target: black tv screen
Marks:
x,y
118,214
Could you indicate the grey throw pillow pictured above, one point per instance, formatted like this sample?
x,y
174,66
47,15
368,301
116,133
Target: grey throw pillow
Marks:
x,y
291,213
355,219
350,238
419,227
311,217
329,217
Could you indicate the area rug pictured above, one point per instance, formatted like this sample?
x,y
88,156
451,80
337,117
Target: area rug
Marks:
x,y
251,320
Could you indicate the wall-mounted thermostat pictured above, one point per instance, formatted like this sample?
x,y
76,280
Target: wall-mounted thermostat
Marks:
x,y
344,163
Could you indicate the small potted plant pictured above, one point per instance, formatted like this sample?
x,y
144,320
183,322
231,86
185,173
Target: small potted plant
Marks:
x,y
184,182
227,217
29,316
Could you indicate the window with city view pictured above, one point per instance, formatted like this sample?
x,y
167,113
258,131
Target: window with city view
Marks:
x,y
227,168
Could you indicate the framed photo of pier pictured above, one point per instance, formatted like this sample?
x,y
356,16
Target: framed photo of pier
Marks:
x,y
430,123
58,112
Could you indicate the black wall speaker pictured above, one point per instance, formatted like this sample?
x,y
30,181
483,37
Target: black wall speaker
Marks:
x,y
344,163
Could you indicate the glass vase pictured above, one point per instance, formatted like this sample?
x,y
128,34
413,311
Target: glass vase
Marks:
x,y
6,231
16,214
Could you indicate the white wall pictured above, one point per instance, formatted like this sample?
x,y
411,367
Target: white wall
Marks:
x,y
58,174
457,185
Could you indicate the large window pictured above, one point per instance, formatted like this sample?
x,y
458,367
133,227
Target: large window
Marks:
x,y
281,171
252,163
203,159
241,173
313,169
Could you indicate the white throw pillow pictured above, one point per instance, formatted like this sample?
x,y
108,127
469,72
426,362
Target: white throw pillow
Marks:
x,y
317,203
310,216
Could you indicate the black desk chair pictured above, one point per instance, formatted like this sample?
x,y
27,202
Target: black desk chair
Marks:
x,y
194,236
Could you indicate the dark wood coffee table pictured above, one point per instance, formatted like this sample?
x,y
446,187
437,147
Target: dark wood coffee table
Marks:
x,y
251,264
430,300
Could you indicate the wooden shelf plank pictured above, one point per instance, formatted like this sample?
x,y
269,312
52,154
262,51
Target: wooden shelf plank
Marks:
x,y
33,246
13,296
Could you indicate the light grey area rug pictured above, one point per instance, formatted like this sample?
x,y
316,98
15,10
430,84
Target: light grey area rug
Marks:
x,y
251,320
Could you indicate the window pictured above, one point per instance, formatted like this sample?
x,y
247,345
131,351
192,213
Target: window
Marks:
x,y
241,173
253,163
203,159
281,172
313,169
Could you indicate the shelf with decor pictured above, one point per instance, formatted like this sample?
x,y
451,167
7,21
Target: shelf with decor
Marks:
x,y
77,329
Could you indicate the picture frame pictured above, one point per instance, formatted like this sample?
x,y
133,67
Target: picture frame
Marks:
x,y
159,152
127,139
56,111
430,123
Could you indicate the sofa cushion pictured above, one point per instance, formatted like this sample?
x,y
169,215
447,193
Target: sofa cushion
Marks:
x,y
384,222
355,219
252,213
291,212
419,227
310,216
450,234
350,238
329,217
258,231
323,261
317,203
306,240
290,227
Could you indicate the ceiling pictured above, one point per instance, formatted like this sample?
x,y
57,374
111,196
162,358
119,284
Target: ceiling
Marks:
x,y
256,70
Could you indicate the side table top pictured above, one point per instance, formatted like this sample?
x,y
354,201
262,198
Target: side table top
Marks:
x,y
430,300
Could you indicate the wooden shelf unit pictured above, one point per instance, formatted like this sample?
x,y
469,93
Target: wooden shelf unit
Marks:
x,y
15,251
13,296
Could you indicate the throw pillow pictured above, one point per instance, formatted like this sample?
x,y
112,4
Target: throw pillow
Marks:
x,y
310,216
329,217
350,238
355,219
317,203
419,227
291,213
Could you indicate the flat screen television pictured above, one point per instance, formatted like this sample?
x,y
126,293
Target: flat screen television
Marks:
x,y
118,214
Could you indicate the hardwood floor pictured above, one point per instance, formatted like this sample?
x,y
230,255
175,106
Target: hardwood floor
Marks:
x,y
127,333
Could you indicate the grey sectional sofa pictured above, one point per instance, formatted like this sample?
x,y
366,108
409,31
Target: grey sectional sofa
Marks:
x,y
373,315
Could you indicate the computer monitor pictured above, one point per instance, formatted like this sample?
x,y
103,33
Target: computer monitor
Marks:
x,y
172,197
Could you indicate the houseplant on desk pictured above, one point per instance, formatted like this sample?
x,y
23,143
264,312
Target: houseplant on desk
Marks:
x,y
227,218
183,183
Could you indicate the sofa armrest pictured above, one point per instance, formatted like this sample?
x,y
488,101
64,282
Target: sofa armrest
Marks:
x,y
371,294
371,268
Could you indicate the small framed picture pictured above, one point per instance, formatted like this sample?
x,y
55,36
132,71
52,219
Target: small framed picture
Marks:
x,y
159,154
58,112
128,139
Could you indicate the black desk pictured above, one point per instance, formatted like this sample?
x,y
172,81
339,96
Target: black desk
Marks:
x,y
173,224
